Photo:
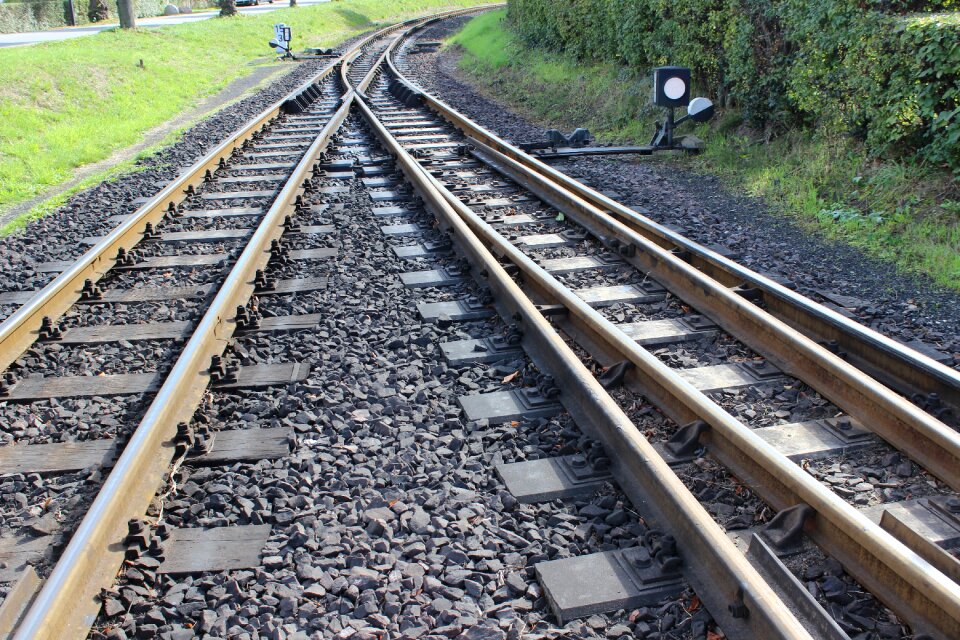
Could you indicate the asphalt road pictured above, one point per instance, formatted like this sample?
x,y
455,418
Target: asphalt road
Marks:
x,y
33,37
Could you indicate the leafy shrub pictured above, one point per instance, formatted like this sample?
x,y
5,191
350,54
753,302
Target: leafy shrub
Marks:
x,y
31,16
875,69
48,14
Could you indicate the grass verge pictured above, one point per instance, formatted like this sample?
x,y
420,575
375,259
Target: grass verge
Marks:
x,y
71,103
905,213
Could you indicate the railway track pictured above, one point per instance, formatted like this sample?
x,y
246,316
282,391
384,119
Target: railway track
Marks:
x,y
227,219
750,307
558,293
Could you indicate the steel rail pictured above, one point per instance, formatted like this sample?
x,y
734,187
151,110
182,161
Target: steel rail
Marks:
x,y
67,604
897,365
929,441
901,578
720,574
21,329
410,26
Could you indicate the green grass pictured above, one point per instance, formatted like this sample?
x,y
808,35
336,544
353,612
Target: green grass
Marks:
x,y
904,213
67,104
607,99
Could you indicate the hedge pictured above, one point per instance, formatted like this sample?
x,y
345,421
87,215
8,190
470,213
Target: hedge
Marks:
x,y
887,71
17,17
32,16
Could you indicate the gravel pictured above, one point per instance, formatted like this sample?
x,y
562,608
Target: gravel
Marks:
x,y
387,520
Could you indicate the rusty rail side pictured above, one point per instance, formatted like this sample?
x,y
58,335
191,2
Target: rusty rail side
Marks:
x,y
718,571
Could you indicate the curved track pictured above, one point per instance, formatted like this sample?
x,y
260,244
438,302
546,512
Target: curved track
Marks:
x,y
750,307
552,289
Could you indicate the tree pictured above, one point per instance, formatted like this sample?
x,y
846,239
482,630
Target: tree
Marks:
x,y
127,14
293,3
97,10
228,8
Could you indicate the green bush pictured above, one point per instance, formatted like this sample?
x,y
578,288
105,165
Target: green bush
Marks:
x,y
49,14
31,16
876,69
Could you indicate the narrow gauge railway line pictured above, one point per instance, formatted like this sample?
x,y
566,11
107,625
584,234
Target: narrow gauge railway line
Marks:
x,y
910,573
202,252
444,172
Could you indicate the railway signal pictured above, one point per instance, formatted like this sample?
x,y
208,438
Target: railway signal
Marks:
x,y
671,89
281,41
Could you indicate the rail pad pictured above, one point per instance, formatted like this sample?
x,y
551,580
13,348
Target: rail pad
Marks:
x,y
431,278
60,457
459,310
401,230
392,212
547,479
724,376
296,285
668,331
194,550
479,351
505,406
115,332
602,582
604,296
261,375
421,250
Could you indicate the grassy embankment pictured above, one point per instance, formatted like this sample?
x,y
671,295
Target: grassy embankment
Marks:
x,y
897,211
68,104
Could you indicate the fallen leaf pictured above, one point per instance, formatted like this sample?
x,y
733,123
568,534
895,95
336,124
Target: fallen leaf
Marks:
x,y
514,423
694,604
511,377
